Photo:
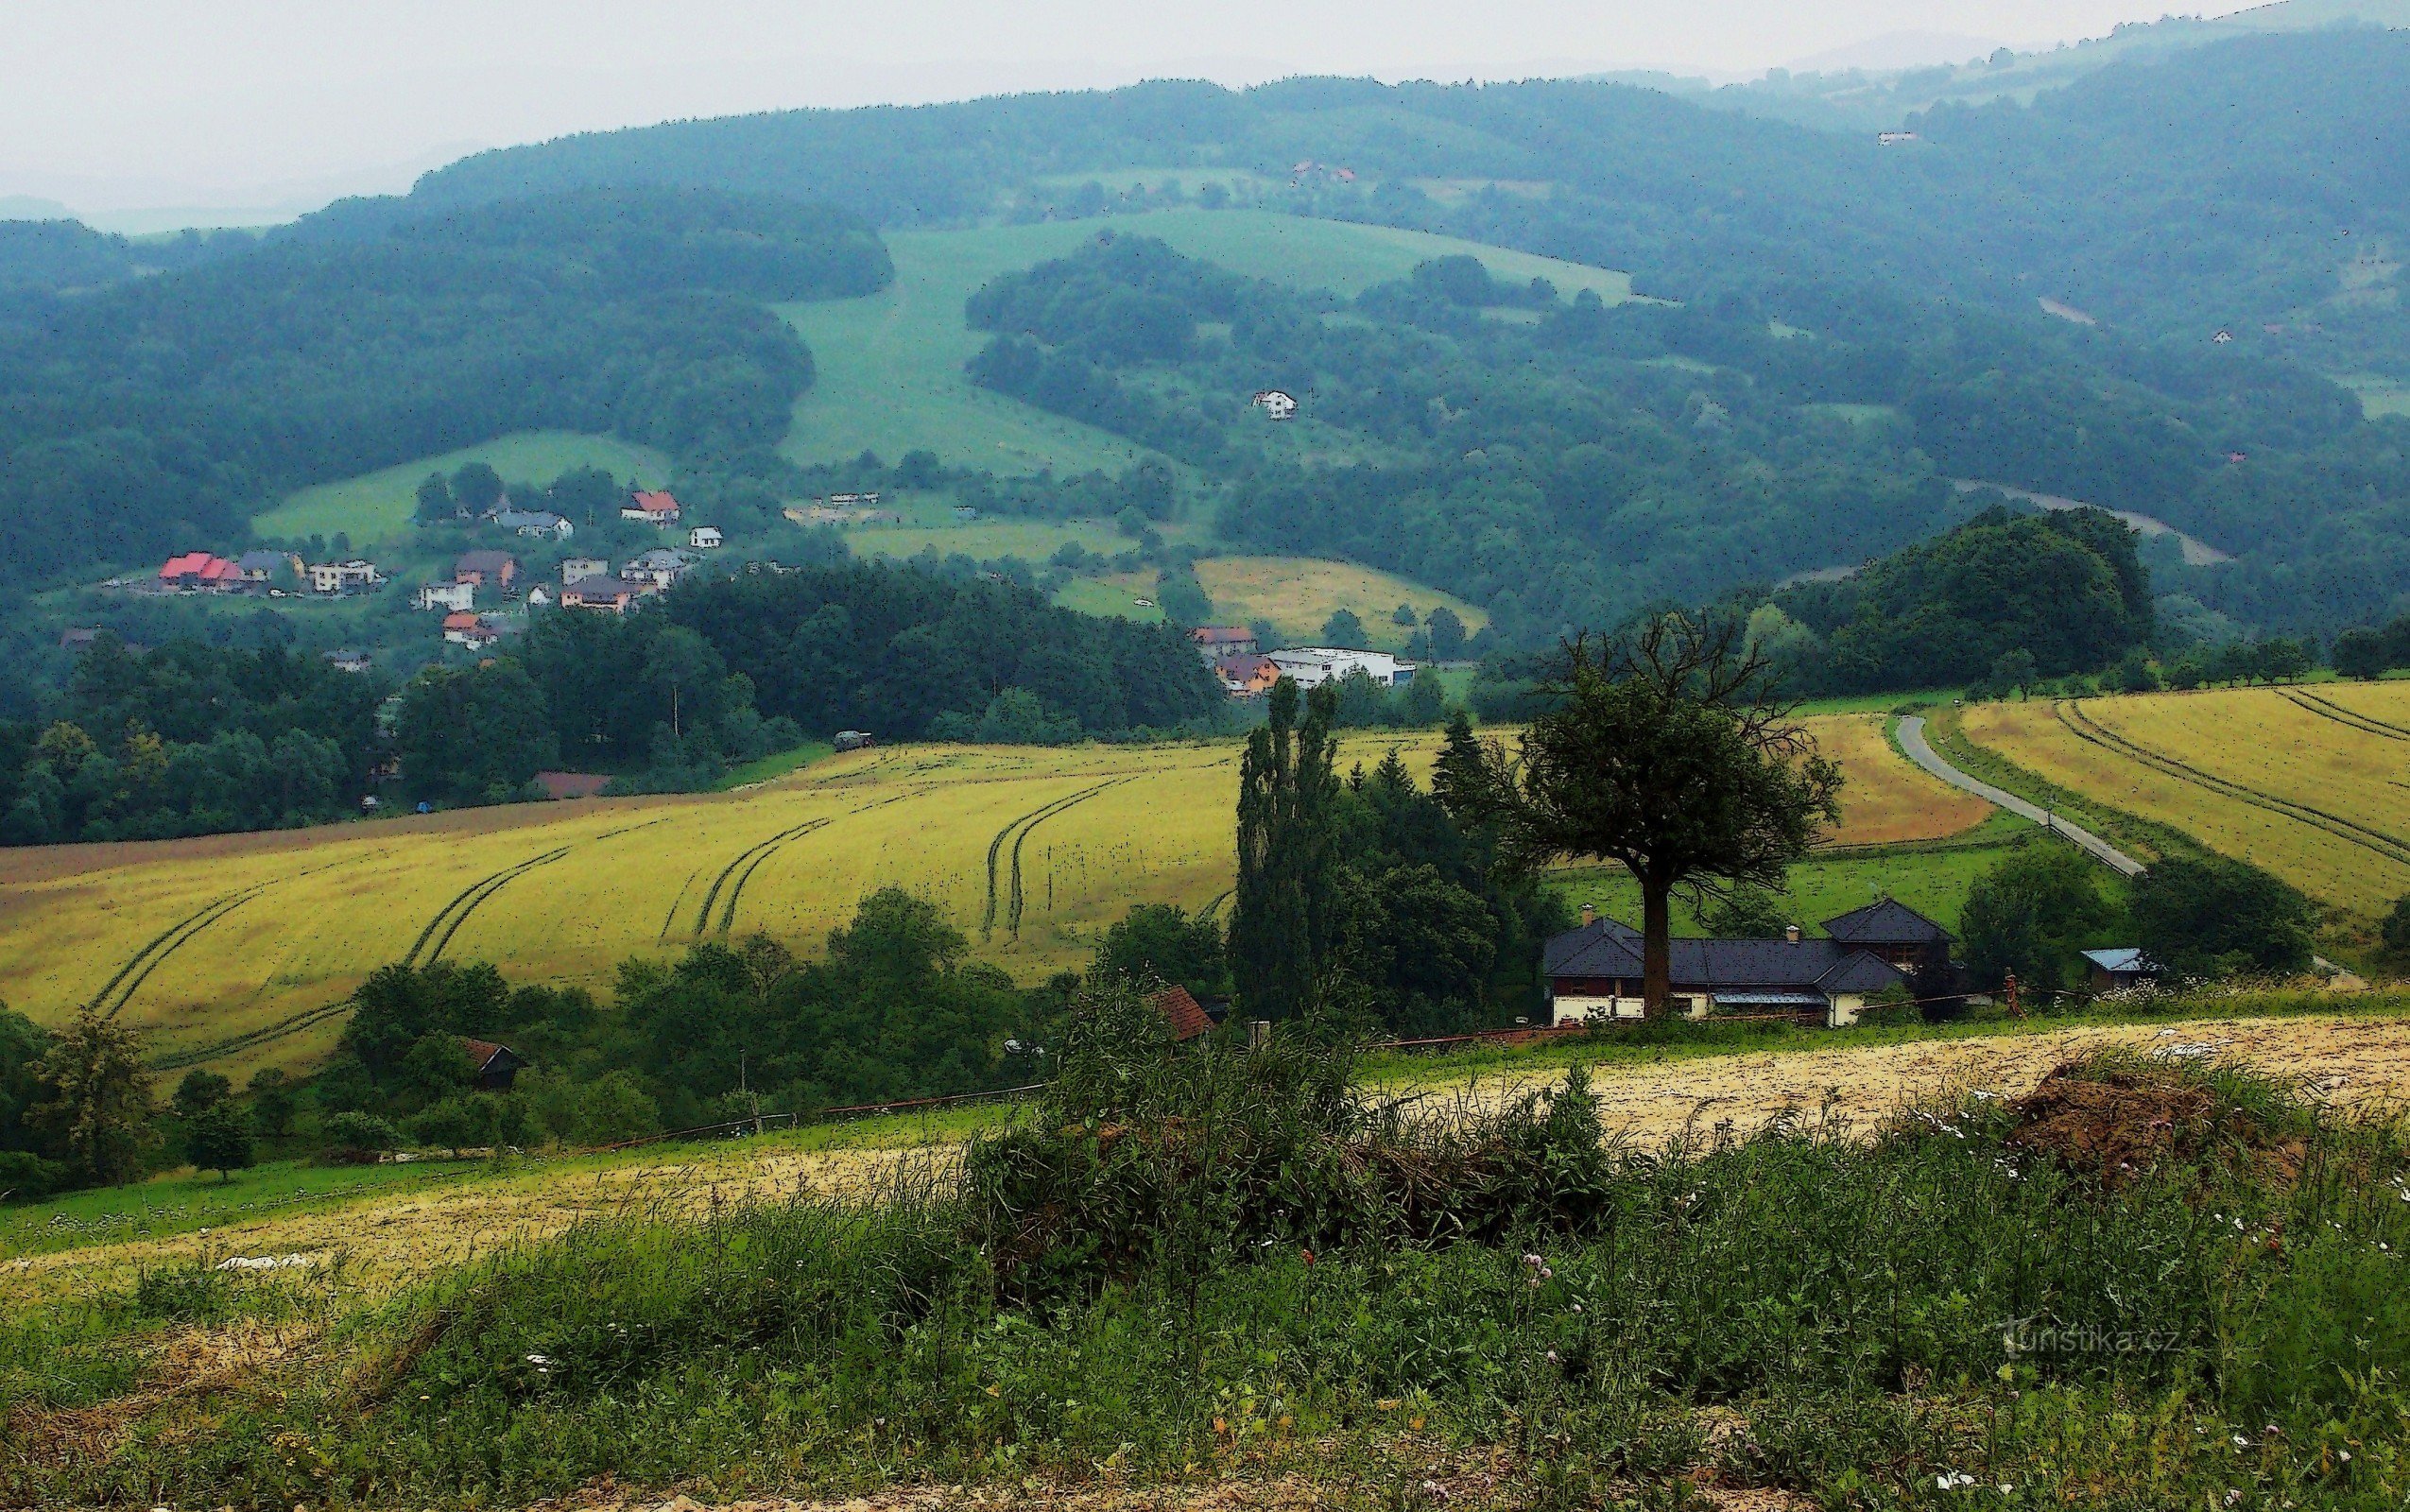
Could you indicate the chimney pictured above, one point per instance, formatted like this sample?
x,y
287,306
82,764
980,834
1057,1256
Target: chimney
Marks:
x,y
1791,933
1589,915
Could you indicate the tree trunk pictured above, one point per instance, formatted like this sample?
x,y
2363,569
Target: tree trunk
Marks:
x,y
1657,947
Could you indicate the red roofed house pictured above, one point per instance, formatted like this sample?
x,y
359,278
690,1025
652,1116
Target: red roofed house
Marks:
x,y
653,506
1187,1019
1215,641
199,571
462,629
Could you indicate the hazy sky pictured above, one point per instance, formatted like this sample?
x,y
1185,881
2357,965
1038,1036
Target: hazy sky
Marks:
x,y
113,104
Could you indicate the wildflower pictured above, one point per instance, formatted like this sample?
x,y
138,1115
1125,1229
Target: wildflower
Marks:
x,y
2240,1442
1308,1256
1552,1357
1577,1307
1953,1480
1533,1262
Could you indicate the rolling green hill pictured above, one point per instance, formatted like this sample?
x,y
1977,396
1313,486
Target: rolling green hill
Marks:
x,y
889,363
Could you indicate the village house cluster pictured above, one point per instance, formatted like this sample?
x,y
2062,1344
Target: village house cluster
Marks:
x,y
1248,671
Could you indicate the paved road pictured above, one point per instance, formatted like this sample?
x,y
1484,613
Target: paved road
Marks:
x,y
1912,741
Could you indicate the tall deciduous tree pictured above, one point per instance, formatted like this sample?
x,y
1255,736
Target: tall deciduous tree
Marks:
x,y
1282,913
1665,751
96,1107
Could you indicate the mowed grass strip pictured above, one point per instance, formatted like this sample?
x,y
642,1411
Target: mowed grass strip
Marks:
x,y
576,889
2251,773
377,506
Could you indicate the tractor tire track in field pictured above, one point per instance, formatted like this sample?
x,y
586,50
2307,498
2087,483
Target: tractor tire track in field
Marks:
x,y
1012,916
2084,728
728,908
449,918
2349,719
995,849
138,967
265,1034
751,852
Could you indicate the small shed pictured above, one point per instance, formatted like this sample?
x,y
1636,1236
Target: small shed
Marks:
x,y
852,740
497,1066
1186,1016
2119,967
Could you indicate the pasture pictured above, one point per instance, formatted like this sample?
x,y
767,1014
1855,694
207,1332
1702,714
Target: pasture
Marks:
x,y
240,949
889,363
1297,594
377,506
2306,781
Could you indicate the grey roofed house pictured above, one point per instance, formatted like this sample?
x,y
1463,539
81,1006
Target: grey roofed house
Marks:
x,y
1597,971
1897,933
533,522
257,564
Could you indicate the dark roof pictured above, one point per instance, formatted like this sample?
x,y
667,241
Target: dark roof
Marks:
x,y
483,1053
1188,1019
1886,921
1611,949
484,561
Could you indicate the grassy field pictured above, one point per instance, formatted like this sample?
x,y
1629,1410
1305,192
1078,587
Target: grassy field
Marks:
x,y
2378,395
1029,852
2306,781
377,506
1297,594
890,363
1116,594
1032,540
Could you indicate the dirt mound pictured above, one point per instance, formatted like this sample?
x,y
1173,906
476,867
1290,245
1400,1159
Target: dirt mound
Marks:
x,y
2114,1122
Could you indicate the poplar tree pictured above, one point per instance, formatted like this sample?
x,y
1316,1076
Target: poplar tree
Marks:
x,y
1284,910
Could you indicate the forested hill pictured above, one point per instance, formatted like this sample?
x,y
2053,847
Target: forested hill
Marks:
x,y
2224,183
159,412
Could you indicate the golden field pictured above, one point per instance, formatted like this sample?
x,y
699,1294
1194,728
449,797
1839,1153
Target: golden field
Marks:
x,y
2311,782
1030,851
1297,594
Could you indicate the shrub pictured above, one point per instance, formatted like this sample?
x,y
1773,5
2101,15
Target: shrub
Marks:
x,y
356,1133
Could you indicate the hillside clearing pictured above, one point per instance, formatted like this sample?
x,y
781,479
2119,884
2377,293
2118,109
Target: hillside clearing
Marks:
x,y
1297,594
378,506
2304,781
889,365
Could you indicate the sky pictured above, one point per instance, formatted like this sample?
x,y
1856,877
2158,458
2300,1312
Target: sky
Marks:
x,y
119,106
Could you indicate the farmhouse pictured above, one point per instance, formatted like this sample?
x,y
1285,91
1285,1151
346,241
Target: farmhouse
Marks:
x,y
1311,666
1187,1018
1215,641
577,567
1596,970
201,572
486,569
612,595
704,538
660,567
1897,933
653,507
463,628
343,576
454,597
535,524
259,566
1246,677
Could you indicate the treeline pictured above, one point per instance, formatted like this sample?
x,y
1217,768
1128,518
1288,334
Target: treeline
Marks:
x,y
158,413
189,739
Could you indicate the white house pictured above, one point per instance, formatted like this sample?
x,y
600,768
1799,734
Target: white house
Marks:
x,y
342,577
535,524
704,538
1309,665
660,567
1275,403
456,597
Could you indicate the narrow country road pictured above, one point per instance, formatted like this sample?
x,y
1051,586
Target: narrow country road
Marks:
x,y
1922,752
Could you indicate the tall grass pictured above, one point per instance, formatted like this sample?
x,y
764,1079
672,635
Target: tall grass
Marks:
x,y
1199,1261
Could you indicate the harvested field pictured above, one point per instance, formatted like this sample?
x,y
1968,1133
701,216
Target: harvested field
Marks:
x,y
2354,1062
1888,801
2309,782
240,949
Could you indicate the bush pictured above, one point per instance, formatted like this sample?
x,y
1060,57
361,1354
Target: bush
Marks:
x,y
2214,917
353,1133
25,1176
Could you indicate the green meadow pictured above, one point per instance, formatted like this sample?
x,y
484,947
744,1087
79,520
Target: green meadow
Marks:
x,y
889,363
377,506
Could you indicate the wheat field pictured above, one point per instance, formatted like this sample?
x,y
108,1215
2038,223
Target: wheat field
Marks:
x,y
244,947
2311,782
